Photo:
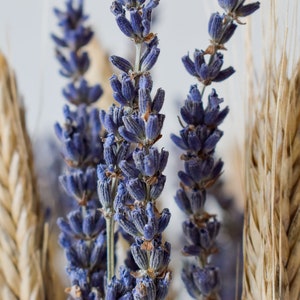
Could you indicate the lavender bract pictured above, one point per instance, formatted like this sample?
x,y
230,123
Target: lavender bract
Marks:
x,y
83,232
133,169
199,138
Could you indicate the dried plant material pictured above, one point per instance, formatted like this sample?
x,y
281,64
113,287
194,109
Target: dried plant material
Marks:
x,y
100,71
21,236
272,221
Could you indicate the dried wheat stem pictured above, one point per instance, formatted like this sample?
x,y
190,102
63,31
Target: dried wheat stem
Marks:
x,y
20,232
272,213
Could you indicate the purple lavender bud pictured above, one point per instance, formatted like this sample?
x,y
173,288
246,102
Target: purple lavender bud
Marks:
x,y
150,60
72,256
125,25
151,4
145,289
164,220
189,65
120,98
121,288
140,256
160,258
121,63
237,8
75,221
224,74
246,10
145,82
151,162
144,101
64,241
137,189
126,224
192,112
134,125
179,142
58,131
94,93
219,32
129,136
79,62
93,223
197,200
139,218
195,95
128,90
60,42
183,202
162,286
98,253
212,140
66,70
129,170
157,188
158,101
186,179
192,250
187,278
64,227
207,280
117,9
104,193
122,198
199,60
115,84
215,26
154,126
191,232
146,27
193,140
136,22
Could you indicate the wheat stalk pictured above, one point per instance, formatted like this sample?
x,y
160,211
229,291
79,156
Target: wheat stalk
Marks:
x,y
21,256
272,211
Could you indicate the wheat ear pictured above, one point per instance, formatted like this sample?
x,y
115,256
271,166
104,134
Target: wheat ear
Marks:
x,y
20,234
272,212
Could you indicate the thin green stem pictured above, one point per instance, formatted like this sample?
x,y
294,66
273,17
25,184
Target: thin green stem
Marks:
x,y
110,231
138,54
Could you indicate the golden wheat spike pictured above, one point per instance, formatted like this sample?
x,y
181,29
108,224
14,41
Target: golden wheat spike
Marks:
x,y
272,222
21,270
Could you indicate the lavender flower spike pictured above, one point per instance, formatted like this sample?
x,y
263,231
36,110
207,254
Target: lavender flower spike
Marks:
x,y
199,138
134,167
83,232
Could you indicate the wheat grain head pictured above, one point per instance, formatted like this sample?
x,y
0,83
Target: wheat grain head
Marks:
x,y
272,219
21,255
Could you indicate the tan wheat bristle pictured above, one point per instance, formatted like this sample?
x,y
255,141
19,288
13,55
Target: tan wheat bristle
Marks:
x,y
21,269
272,210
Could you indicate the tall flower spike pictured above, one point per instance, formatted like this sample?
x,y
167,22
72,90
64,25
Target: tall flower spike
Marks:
x,y
199,138
83,232
134,168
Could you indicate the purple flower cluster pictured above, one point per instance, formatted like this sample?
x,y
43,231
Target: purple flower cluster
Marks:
x,y
83,232
199,138
131,179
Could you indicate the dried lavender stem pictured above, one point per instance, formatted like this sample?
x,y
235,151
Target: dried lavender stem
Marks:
x,y
138,53
110,228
